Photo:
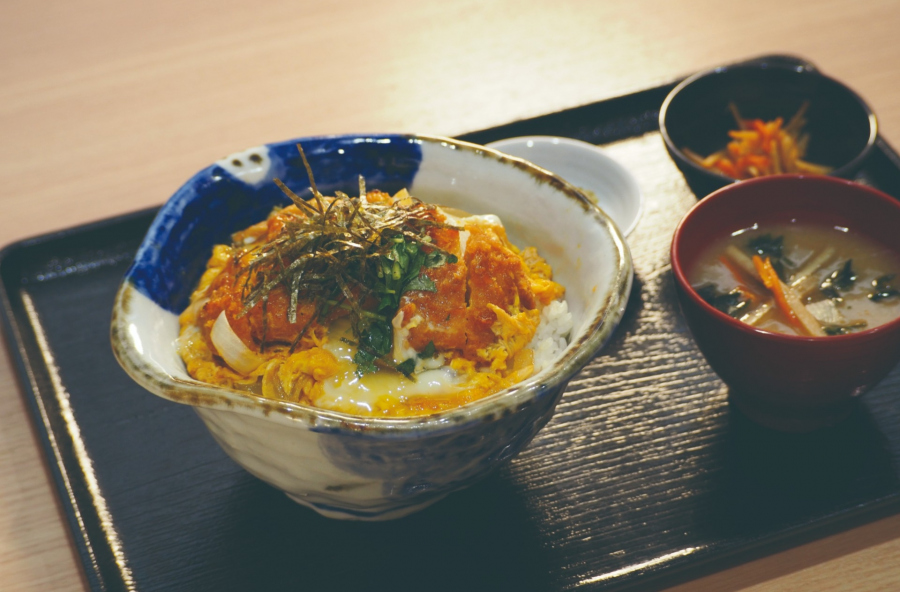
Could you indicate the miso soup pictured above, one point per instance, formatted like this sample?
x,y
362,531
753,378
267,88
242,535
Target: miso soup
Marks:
x,y
801,279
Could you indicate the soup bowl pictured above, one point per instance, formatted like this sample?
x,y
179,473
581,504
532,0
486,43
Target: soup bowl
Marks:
x,y
348,466
696,115
787,382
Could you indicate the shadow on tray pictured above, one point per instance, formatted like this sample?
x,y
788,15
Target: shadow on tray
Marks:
x,y
479,538
772,480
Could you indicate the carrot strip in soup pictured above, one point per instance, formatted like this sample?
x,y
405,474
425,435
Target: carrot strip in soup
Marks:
x,y
770,280
787,300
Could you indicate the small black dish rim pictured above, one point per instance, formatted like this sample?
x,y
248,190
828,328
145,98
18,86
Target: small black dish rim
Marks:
x,y
845,171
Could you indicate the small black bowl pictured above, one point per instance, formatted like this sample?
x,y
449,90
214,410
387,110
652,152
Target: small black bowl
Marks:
x,y
695,115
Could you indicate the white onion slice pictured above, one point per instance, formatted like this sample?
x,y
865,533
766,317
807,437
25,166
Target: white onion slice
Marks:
x,y
463,240
235,353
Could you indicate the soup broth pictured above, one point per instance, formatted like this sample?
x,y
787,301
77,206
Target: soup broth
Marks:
x,y
830,280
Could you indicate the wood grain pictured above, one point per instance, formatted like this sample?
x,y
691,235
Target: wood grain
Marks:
x,y
107,107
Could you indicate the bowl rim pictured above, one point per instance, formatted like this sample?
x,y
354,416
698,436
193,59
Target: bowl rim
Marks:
x,y
798,70
680,274
491,408
637,200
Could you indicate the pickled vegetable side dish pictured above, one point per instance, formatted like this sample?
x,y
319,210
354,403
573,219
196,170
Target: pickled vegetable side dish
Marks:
x,y
759,148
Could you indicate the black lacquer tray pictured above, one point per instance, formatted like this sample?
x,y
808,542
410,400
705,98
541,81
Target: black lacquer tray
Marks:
x,y
644,477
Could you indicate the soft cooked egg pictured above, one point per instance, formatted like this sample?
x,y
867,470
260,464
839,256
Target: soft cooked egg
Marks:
x,y
348,392
402,349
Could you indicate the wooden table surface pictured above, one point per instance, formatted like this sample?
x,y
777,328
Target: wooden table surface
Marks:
x,y
108,106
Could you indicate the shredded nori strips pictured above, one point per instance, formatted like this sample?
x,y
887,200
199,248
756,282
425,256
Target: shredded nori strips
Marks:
x,y
346,252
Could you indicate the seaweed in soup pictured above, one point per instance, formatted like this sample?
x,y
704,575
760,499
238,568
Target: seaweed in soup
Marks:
x,y
800,278
838,281
734,303
767,245
883,288
844,329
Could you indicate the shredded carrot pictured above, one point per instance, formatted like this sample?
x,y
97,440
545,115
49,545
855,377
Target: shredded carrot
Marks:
x,y
770,280
726,167
758,148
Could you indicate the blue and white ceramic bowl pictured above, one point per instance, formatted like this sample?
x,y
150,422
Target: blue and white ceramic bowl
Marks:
x,y
358,467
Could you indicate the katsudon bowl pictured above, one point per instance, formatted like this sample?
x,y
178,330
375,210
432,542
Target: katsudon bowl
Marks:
x,y
349,466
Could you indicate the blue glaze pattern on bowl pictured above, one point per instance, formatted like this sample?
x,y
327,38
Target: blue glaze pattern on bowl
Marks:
x,y
219,200
346,466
